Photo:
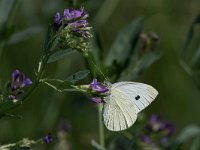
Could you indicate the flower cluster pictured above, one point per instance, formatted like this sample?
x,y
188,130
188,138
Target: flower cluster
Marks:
x,y
97,88
47,139
74,27
17,84
160,130
149,41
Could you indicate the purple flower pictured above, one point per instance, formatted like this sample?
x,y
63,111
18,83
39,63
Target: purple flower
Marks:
x,y
159,131
79,23
48,139
19,80
155,123
169,129
96,100
98,86
74,13
57,18
146,139
75,19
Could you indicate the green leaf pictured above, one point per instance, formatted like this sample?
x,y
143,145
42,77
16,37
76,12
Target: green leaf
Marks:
x,y
6,6
97,146
188,133
137,67
196,144
56,84
190,37
195,62
59,55
125,42
11,116
8,105
24,35
24,144
65,85
78,76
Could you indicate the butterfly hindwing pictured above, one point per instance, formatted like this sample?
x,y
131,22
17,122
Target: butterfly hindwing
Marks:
x,y
119,112
140,94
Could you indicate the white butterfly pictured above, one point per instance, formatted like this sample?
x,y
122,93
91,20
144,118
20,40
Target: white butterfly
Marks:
x,y
125,101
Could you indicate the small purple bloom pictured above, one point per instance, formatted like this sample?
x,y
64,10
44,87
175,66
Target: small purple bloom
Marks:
x,y
19,81
57,18
96,100
155,124
27,82
74,13
169,129
79,23
48,139
98,86
146,139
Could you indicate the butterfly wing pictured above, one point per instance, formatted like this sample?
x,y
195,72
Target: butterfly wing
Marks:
x,y
140,94
118,112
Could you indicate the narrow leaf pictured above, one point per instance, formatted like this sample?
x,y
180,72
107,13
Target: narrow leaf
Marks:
x,y
56,84
195,63
188,133
9,105
59,55
11,116
196,144
125,42
96,145
190,36
78,76
5,9
24,35
137,67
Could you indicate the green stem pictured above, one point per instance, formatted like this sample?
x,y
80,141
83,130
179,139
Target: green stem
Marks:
x,y
1,47
101,127
90,60
39,76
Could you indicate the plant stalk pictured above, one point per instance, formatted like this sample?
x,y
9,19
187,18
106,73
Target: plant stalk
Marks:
x,y
39,76
101,127
91,63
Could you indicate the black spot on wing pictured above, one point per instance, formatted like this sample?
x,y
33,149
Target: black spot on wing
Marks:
x,y
137,97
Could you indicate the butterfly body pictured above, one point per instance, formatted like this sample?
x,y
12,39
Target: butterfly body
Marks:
x,y
125,101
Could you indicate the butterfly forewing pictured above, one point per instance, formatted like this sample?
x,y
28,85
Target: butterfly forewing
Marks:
x,y
140,94
119,112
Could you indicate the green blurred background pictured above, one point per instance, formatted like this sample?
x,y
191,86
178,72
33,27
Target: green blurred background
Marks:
x,y
178,100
